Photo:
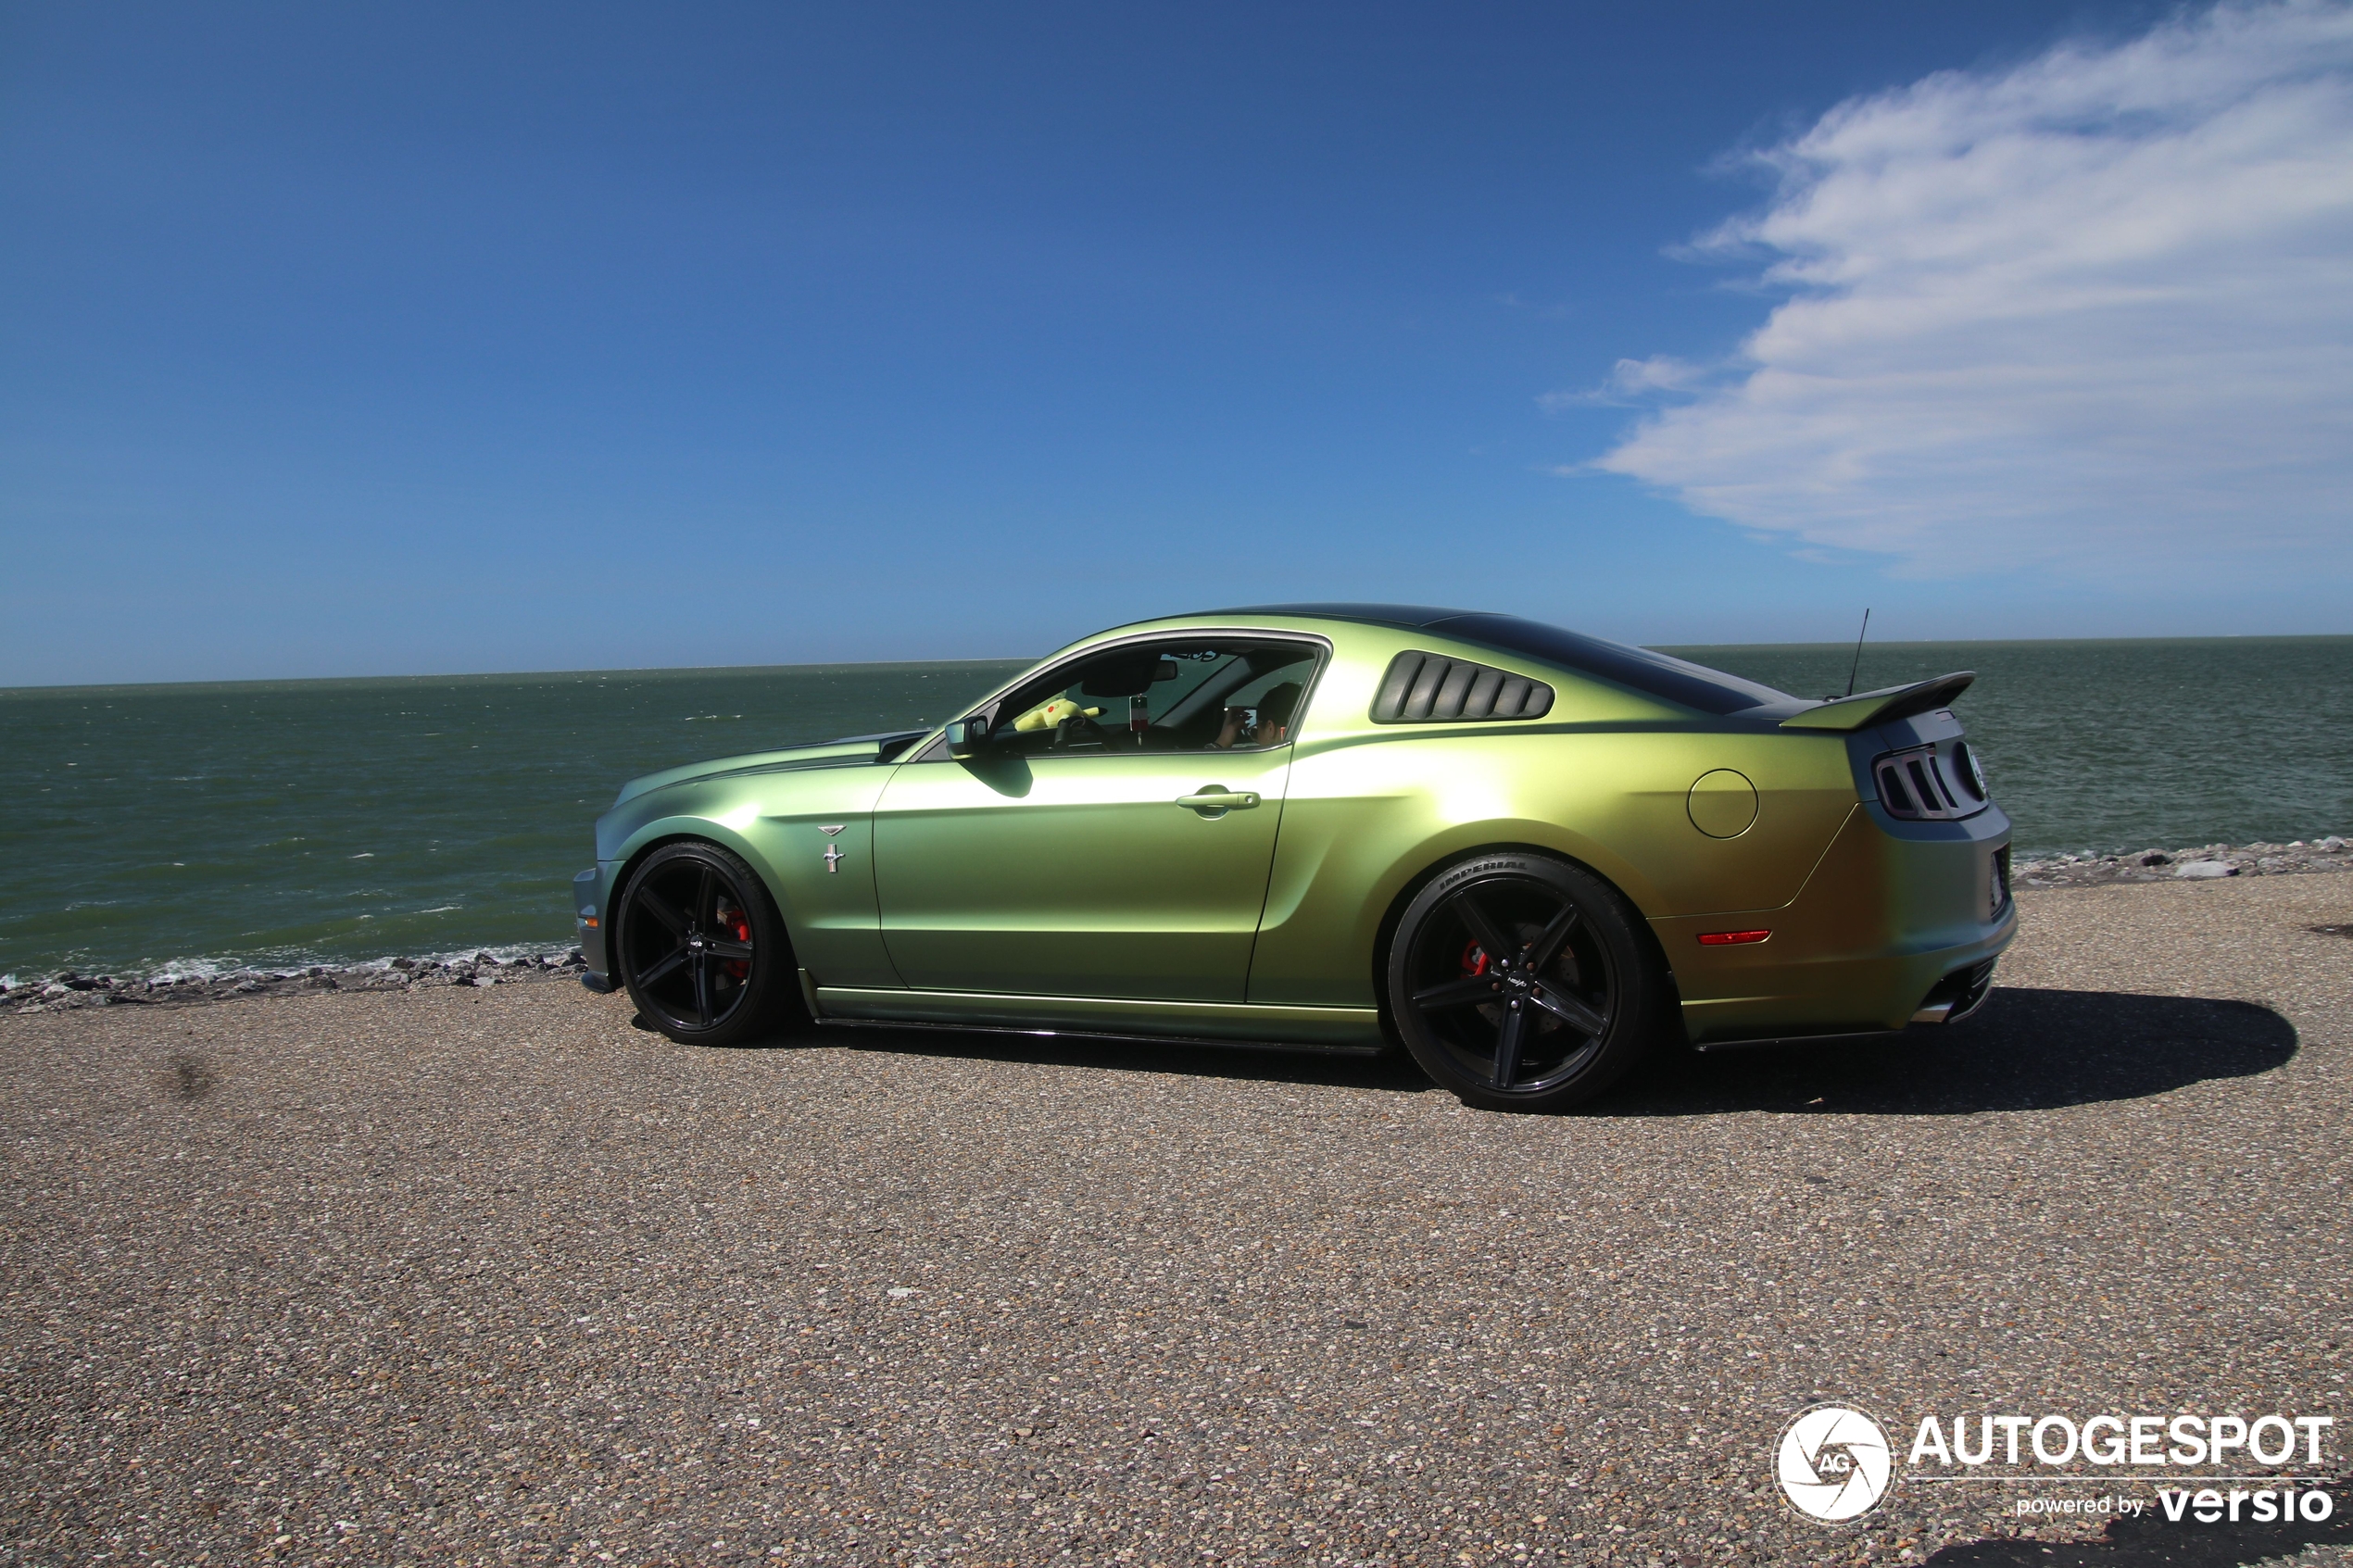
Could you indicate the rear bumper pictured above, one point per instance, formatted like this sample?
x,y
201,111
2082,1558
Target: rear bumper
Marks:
x,y
1900,923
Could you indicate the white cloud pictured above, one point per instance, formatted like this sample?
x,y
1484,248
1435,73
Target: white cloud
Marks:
x,y
2093,312
1633,379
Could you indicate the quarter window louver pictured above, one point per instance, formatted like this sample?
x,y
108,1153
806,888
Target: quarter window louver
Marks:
x,y
1429,688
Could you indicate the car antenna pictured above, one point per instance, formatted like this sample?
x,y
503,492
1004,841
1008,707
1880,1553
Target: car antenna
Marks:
x,y
1858,665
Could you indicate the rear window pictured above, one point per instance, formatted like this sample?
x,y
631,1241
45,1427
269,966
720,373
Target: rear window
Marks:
x,y
1654,674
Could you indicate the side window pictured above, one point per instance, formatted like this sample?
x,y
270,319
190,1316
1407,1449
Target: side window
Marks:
x,y
1264,710
1184,694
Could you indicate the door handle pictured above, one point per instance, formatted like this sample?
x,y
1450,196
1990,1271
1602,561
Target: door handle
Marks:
x,y
1219,800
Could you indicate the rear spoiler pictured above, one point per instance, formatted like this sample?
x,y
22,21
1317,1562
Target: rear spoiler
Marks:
x,y
1865,709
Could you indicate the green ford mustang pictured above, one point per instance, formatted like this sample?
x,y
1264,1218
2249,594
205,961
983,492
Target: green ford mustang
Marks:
x,y
1522,853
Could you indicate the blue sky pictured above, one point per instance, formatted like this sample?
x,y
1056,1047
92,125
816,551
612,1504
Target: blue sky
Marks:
x,y
369,340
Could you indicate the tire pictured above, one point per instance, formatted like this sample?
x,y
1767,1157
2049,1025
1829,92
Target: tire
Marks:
x,y
1568,1006
701,948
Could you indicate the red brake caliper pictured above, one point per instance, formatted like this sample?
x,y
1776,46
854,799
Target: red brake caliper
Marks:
x,y
739,922
1473,960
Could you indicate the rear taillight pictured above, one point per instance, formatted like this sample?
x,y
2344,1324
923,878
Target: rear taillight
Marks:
x,y
1921,785
1969,772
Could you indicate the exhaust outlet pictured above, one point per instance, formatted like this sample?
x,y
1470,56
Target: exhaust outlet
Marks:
x,y
1958,995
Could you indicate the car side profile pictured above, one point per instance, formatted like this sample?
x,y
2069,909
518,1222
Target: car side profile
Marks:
x,y
1523,854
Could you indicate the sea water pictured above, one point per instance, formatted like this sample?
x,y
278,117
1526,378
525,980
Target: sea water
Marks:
x,y
270,825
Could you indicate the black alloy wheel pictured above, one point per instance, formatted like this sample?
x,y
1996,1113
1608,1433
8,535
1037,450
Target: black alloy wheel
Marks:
x,y
1521,983
701,947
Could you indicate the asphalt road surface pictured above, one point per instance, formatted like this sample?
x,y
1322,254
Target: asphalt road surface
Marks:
x,y
497,1276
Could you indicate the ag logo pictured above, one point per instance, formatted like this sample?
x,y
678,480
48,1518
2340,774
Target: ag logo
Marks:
x,y
1833,1463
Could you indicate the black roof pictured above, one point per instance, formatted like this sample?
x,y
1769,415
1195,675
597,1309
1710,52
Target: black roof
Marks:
x,y
1411,616
1654,674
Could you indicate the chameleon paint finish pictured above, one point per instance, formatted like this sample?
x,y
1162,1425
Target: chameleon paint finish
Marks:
x,y
1246,894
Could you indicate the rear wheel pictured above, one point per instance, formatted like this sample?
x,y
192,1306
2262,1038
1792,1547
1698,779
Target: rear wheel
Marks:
x,y
702,948
1522,984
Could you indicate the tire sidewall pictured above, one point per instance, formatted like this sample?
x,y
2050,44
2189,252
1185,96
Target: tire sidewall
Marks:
x,y
1614,923
773,997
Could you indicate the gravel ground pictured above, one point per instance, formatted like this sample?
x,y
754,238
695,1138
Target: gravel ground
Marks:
x,y
2197,863
492,1276
70,991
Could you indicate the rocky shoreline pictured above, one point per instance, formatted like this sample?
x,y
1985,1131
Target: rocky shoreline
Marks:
x,y
71,990
2196,863
67,990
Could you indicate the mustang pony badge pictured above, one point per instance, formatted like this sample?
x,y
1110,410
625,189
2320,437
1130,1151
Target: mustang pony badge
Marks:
x,y
833,855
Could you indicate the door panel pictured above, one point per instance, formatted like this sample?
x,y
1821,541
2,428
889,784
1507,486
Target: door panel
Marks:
x,y
1078,876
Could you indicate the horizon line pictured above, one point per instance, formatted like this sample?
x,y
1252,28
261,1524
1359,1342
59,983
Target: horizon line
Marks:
x,y
646,670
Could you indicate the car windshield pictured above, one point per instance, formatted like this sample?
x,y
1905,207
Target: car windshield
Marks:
x,y
1654,674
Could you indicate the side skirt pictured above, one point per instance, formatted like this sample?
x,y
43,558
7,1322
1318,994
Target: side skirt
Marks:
x,y
1880,1036
1189,1042
1244,1023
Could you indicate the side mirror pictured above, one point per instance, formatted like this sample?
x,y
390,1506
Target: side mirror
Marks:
x,y
967,736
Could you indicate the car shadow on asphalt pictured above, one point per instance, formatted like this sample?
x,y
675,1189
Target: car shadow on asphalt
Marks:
x,y
2152,1542
2026,1050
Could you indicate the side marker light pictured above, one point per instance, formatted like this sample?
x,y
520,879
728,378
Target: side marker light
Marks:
x,y
590,922
1730,938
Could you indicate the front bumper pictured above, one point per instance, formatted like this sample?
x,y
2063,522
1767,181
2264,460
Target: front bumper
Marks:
x,y
590,902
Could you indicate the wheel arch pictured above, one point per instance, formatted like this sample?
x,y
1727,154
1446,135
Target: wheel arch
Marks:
x,y
1385,934
684,829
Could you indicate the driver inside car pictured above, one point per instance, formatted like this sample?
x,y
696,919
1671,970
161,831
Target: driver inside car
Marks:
x,y
1274,721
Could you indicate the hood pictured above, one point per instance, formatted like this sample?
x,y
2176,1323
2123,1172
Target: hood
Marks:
x,y
855,751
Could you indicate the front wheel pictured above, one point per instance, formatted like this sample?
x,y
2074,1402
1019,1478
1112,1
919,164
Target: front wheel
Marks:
x,y
702,948
1521,984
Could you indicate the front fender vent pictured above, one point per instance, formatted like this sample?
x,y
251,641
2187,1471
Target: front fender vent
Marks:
x,y
1429,688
